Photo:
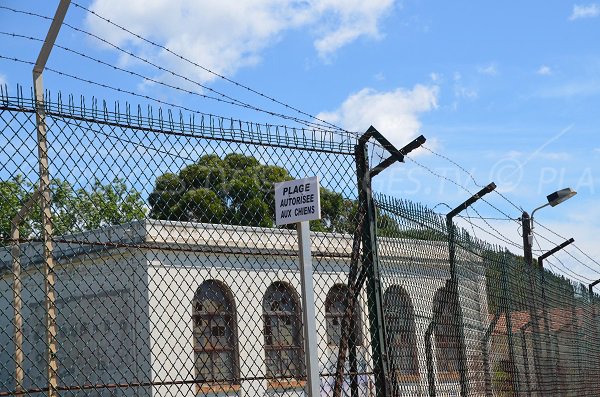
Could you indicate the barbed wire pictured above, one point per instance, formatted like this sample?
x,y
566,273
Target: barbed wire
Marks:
x,y
148,97
129,53
438,204
498,234
228,100
463,169
468,218
428,169
486,217
565,238
183,58
233,101
470,223
566,251
576,276
507,217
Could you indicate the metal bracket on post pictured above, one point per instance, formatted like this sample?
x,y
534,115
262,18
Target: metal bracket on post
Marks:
x,y
40,116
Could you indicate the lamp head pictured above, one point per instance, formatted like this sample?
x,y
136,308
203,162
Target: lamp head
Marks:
x,y
559,196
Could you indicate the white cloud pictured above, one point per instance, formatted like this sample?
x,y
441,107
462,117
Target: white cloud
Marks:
x,y
544,70
490,69
465,92
584,11
435,76
353,18
394,113
226,35
3,79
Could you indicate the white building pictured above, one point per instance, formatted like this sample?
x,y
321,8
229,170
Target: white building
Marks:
x,y
181,309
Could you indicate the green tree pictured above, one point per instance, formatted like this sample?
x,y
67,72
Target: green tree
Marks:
x,y
237,190
12,195
73,210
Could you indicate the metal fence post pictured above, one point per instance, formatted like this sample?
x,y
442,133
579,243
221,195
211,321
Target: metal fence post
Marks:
x,y
429,359
508,318
49,271
486,355
452,283
348,335
455,302
531,271
526,357
17,287
371,262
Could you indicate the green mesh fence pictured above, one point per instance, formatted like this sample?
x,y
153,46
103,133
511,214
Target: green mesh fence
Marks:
x,y
522,331
168,277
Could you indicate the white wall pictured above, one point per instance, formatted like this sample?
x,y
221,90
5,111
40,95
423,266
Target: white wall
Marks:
x,y
127,316
96,315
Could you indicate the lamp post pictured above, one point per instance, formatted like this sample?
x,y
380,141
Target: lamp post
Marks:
x,y
527,222
594,334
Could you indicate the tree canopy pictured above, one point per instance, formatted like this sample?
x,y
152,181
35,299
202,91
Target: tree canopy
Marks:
x,y
237,190
73,210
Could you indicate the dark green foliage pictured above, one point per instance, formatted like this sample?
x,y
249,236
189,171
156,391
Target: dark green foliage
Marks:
x,y
73,210
12,195
238,190
235,190
338,214
200,204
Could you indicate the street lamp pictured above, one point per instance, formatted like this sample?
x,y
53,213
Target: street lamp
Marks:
x,y
554,199
527,222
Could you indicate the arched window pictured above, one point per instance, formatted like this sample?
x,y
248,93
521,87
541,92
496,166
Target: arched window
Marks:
x,y
401,334
215,339
283,335
447,334
335,308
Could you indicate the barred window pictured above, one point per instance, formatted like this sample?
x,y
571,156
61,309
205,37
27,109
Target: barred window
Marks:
x,y
401,334
446,333
283,334
215,339
335,308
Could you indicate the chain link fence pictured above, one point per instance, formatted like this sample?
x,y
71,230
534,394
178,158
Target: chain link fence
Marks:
x,y
168,277
522,330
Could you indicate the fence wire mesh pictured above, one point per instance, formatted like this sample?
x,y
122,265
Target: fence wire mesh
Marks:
x,y
169,277
523,330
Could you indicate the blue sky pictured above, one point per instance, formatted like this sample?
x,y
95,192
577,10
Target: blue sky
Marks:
x,y
509,90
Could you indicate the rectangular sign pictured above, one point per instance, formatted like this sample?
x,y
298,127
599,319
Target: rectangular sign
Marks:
x,y
297,201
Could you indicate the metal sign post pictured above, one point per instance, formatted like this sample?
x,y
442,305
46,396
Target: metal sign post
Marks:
x,y
299,202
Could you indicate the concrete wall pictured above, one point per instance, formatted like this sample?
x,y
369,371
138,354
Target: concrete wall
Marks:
x,y
99,313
